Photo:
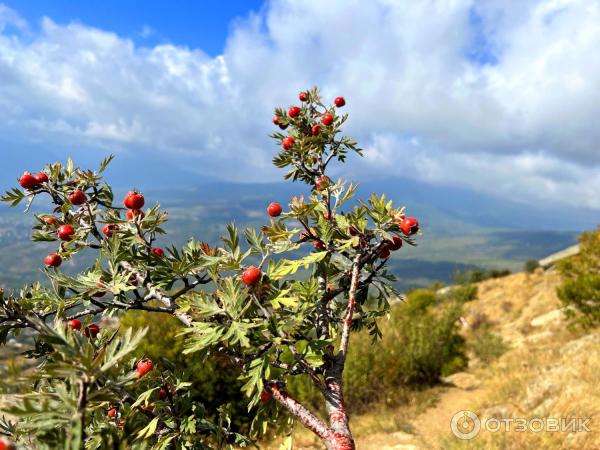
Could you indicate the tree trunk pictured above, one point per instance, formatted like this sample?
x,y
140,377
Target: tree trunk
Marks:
x,y
341,436
340,442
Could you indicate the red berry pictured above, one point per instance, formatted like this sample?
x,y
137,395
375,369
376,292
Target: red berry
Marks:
x,y
91,330
53,260
274,209
303,96
41,177
7,445
327,119
276,120
77,197
395,243
49,220
143,367
28,181
134,200
319,244
409,226
294,111
112,412
283,126
133,214
315,130
163,394
251,276
109,229
288,142
74,324
65,232
339,102
353,231
265,396
384,252
158,251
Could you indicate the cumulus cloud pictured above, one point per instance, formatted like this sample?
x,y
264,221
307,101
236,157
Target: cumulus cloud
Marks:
x,y
498,96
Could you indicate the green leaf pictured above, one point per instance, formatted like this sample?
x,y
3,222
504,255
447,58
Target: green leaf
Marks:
x,y
14,197
149,430
105,162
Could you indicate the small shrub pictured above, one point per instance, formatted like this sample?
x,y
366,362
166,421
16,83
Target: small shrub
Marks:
x,y
463,294
486,345
582,293
530,265
498,273
580,290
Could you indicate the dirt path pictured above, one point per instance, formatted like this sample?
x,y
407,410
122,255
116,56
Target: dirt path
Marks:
x,y
514,303
435,422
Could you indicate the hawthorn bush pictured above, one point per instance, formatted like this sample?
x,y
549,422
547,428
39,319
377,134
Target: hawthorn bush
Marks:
x,y
252,301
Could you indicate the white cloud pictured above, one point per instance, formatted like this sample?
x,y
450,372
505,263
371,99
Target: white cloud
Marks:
x,y
522,127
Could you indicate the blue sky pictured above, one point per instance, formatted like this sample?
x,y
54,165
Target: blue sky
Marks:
x,y
494,96
198,24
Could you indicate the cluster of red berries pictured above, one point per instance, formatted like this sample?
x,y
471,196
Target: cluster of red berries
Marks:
x,y
90,331
143,367
408,226
30,182
327,119
134,202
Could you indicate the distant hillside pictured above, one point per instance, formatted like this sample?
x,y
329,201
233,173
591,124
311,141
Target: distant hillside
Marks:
x,y
461,230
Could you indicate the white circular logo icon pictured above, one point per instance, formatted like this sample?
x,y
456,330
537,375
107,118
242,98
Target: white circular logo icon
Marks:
x,y
465,425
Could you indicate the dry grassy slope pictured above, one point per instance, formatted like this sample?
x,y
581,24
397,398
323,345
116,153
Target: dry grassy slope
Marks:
x,y
547,372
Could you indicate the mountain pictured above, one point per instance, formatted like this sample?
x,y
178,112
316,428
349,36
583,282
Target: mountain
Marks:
x,y
462,230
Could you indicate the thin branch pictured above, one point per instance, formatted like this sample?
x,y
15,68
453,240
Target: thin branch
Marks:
x,y
349,311
155,293
81,404
296,409
189,286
